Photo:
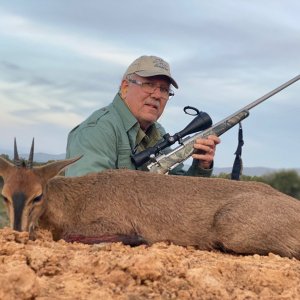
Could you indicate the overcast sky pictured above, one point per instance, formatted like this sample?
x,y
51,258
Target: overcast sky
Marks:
x,y
60,60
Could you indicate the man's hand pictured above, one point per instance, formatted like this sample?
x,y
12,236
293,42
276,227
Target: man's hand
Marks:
x,y
205,151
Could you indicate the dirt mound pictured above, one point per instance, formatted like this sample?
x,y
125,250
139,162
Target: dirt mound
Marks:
x,y
44,269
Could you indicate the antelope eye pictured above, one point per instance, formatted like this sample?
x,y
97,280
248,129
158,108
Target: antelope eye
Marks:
x,y
4,199
37,199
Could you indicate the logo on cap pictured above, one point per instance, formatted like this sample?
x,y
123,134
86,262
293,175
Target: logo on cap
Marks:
x,y
159,63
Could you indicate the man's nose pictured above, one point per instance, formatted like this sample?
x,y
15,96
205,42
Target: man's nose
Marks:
x,y
157,92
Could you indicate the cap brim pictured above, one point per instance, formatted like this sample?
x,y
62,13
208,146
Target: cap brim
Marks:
x,y
149,74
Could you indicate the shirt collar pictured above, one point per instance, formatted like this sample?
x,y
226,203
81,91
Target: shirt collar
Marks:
x,y
126,115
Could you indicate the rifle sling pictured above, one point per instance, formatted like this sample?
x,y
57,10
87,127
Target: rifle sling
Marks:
x,y
238,163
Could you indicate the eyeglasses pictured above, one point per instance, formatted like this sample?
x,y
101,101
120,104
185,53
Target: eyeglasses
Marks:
x,y
150,87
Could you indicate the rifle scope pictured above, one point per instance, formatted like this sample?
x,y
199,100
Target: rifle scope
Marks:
x,y
201,122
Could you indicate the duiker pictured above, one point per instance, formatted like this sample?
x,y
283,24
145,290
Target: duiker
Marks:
x,y
133,206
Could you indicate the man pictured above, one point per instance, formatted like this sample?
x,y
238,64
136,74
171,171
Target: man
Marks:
x,y
129,124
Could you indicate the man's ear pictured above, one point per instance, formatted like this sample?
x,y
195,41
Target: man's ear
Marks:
x,y
123,89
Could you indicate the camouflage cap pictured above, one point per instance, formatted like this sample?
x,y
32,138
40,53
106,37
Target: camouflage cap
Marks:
x,y
147,66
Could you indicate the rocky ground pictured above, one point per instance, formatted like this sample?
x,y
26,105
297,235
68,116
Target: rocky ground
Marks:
x,y
44,269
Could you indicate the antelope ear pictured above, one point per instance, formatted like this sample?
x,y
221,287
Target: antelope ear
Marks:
x,y
52,169
5,166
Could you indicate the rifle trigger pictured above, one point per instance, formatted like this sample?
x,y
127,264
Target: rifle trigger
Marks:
x,y
152,158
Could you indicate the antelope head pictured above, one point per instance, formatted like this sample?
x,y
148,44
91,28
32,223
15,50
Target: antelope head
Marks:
x,y
24,186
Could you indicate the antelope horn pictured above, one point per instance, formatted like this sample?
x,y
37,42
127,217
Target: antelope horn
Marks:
x,y
17,161
30,159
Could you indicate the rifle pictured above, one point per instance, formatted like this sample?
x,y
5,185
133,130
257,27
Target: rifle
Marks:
x,y
200,122
163,163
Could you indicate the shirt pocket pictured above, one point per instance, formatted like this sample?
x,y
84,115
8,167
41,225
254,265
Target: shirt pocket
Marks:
x,y
124,160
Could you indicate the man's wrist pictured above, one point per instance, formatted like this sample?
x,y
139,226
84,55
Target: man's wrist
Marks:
x,y
204,164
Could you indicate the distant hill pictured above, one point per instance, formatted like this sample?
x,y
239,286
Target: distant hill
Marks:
x,y
44,157
248,171
252,171
38,157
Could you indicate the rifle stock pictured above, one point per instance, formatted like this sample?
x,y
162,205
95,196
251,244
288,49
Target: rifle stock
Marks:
x,y
162,164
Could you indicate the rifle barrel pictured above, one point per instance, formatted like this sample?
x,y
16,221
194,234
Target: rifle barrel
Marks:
x,y
263,98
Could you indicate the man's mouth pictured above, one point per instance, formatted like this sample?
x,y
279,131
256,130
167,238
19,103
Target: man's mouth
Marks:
x,y
153,105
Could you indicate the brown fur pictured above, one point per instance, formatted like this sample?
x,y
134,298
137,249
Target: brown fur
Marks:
x,y
210,213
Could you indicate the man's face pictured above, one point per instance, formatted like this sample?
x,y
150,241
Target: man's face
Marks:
x,y
146,106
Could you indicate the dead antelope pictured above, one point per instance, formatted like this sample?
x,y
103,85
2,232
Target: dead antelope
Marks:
x,y
238,217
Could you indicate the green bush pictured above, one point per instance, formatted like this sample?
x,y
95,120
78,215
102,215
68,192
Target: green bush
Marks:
x,y
3,215
287,182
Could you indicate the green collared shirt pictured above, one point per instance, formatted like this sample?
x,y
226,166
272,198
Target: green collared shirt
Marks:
x,y
109,136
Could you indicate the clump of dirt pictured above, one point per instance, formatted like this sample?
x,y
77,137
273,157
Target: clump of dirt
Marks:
x,y
45,269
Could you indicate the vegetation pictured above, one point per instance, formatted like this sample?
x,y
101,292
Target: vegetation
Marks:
x,y
3,215
287,182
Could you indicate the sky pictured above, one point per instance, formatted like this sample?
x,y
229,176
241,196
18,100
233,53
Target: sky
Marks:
x,y
62,60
